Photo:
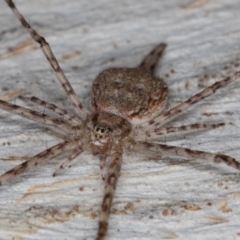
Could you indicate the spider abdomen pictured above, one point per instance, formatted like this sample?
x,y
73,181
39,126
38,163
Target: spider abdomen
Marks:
x,y
130,93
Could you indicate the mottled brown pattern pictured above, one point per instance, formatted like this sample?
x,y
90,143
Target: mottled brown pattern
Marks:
x,y
128,116
137,96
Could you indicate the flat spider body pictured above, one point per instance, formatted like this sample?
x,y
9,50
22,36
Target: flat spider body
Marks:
x,y
127,116
131,93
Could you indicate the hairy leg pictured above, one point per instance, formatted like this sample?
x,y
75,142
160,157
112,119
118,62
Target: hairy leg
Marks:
x,y
110,186
9,96
154,134
56,125
182,107
162,151
103,166
39,158
66,115
150,62
79,109
66,163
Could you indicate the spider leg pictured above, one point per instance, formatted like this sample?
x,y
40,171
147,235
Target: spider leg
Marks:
x,y
16,158
39,158
79,109
150,62
182,107
103,166
162,151
110,186
56,125
158,132
66,163
66,115
11,95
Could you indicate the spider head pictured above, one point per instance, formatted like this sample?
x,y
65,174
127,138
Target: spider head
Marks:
x,y
100,134
104,128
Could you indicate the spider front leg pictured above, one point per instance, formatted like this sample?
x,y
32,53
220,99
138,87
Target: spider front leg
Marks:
x,y
114,167
78,107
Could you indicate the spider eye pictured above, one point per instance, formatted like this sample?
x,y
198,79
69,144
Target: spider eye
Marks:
x,y
100,132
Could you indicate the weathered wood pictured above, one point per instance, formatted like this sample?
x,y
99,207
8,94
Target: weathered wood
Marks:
x,y
154,199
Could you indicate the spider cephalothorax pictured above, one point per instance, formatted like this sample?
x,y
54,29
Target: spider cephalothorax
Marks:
x,y
105,128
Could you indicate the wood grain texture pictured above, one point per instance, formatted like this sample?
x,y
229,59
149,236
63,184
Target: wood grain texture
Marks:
x,y
154,199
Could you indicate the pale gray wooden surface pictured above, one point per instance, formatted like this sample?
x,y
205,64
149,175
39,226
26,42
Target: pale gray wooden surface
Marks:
x,y
154,199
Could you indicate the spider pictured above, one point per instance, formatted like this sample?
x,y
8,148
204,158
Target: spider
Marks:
x,y
127,116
